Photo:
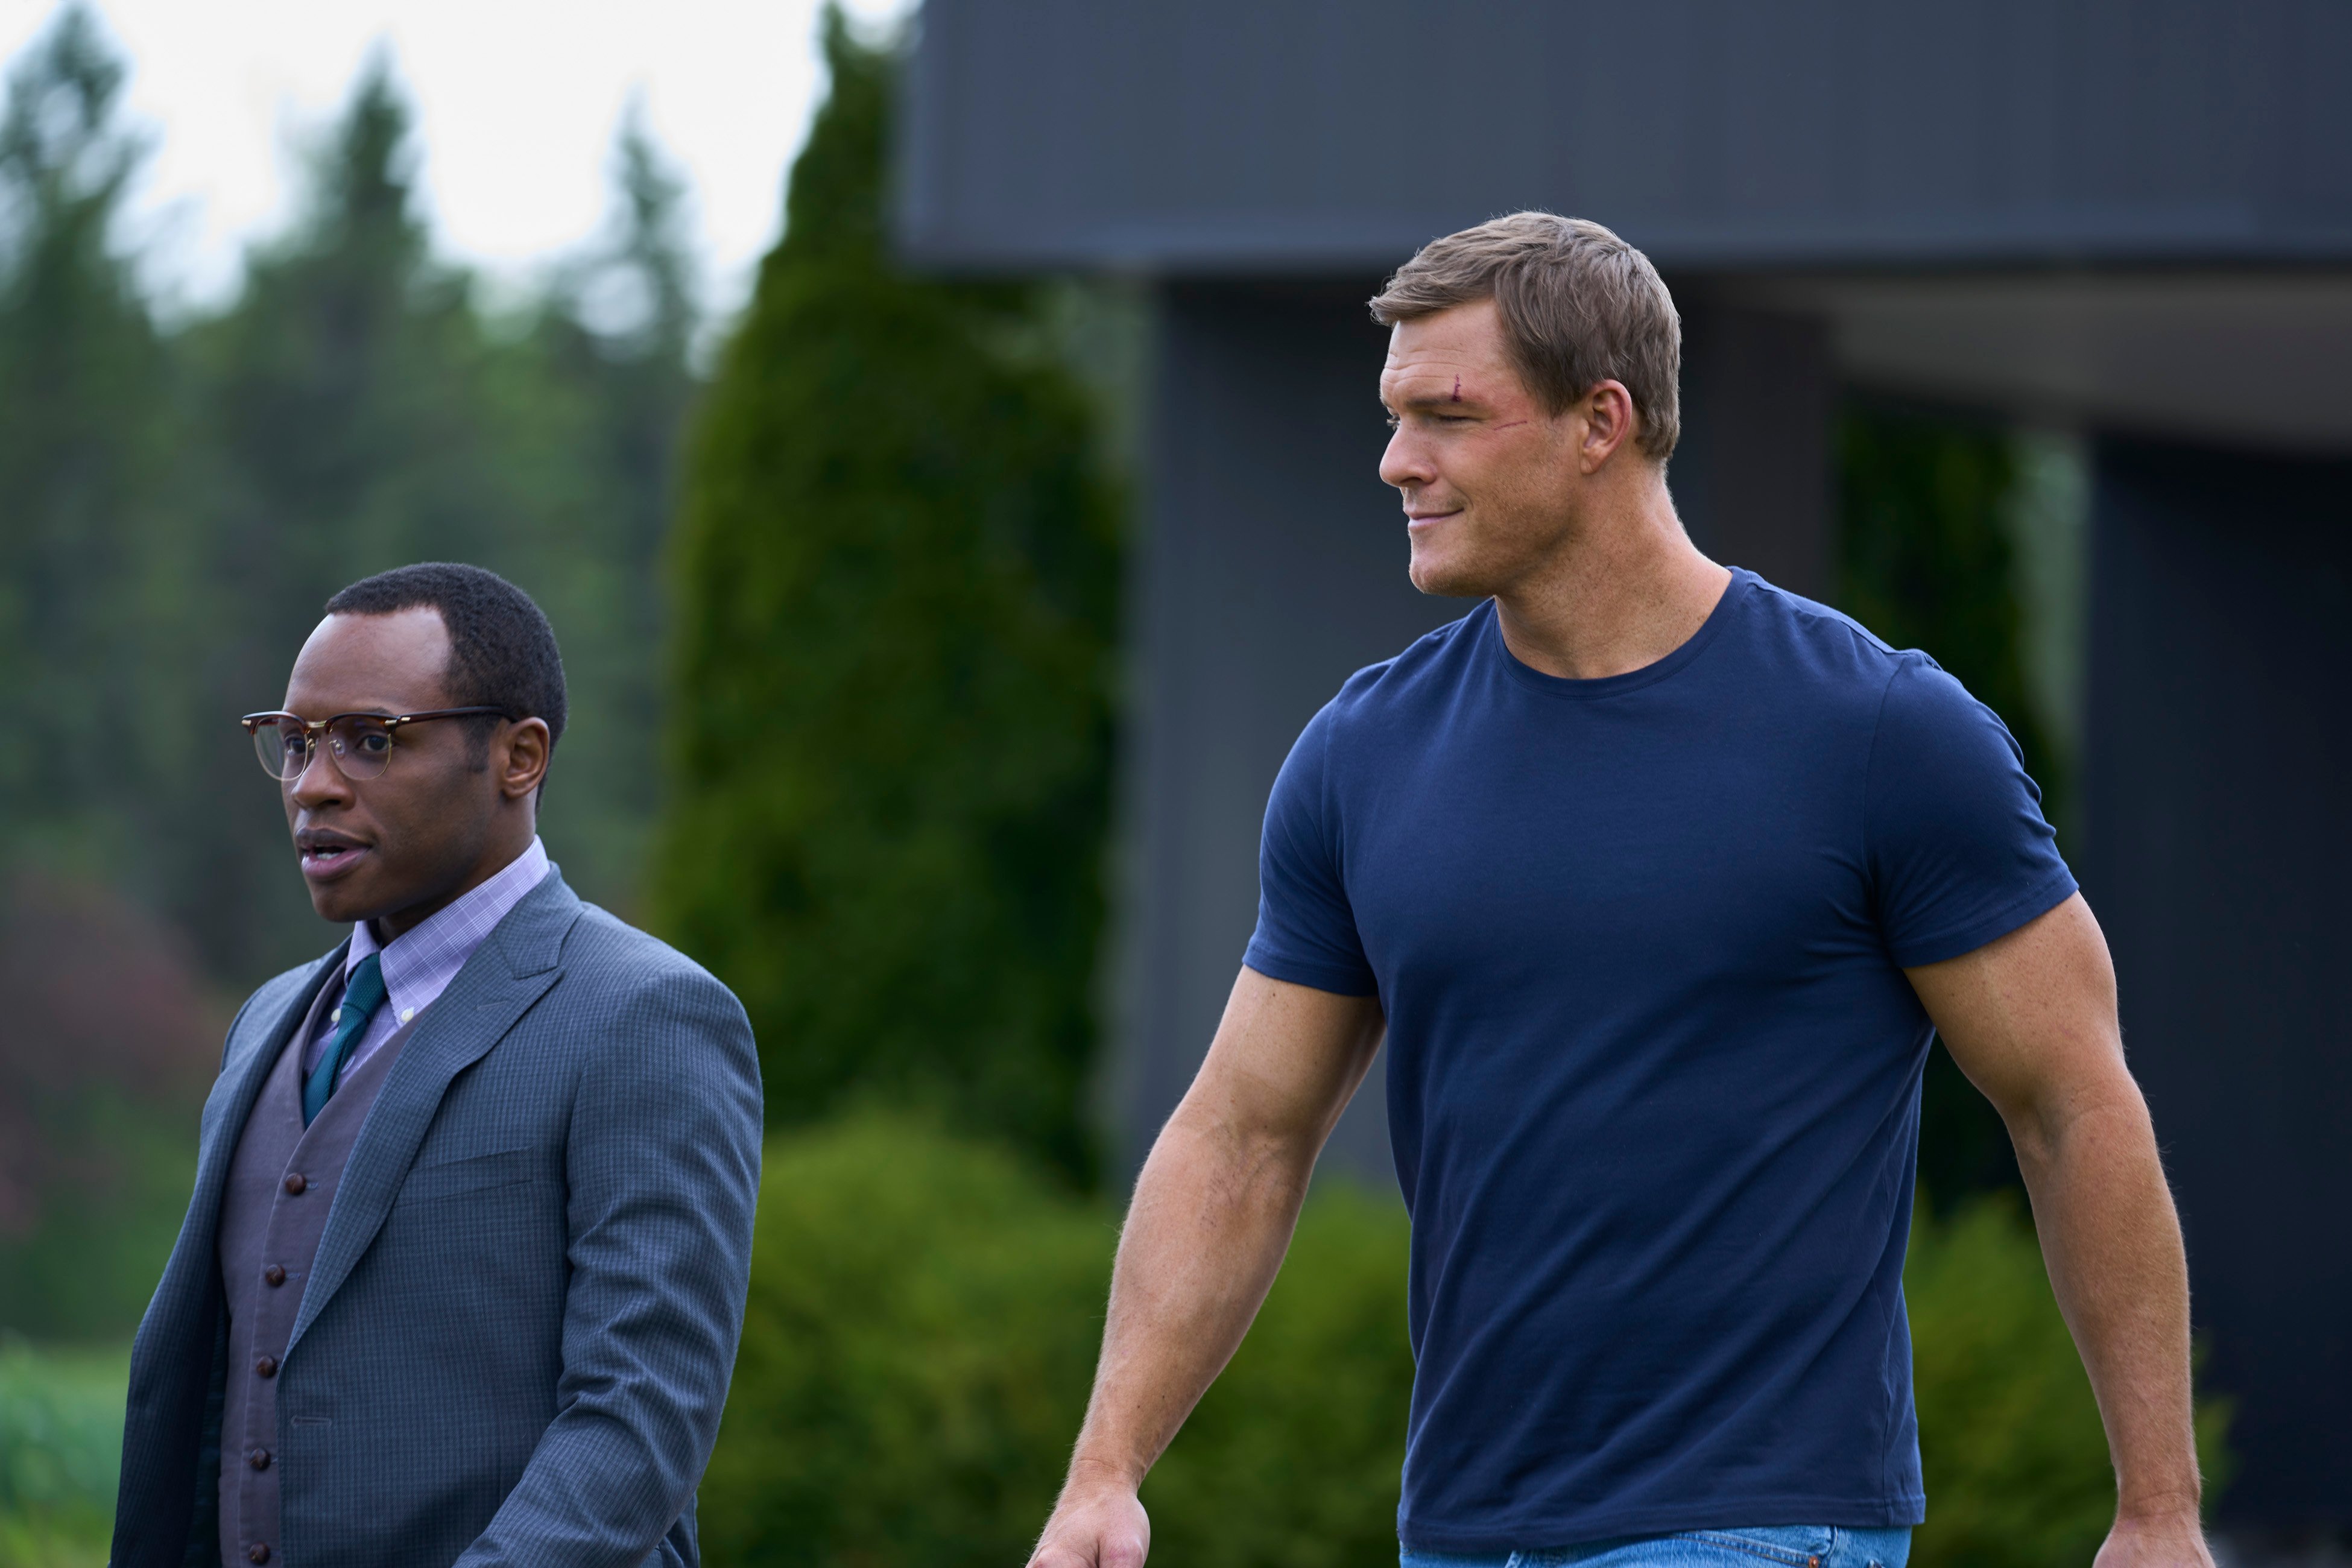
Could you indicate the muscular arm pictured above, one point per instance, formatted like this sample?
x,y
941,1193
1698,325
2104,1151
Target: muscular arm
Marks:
x,y
1212,1214
2031,1019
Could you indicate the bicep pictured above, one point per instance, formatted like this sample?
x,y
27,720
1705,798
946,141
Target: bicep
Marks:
x,y
2031,1016
1287,1058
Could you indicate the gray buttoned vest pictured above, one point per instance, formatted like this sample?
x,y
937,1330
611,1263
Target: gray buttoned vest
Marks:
x,y
281,1185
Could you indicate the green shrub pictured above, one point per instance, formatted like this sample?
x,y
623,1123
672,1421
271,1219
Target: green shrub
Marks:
x,y
922,1326
896,574
60,1444
925,1314
2017,1468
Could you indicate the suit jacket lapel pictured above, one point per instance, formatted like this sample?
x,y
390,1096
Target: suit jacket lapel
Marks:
x,y
252,1052
512,969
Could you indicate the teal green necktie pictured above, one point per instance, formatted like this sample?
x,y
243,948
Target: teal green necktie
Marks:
x,y
361,998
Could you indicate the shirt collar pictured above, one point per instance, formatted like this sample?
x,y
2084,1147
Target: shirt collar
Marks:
x,y
419,964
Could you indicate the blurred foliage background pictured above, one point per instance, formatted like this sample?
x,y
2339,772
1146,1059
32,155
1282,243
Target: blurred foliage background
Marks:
x,y
840,617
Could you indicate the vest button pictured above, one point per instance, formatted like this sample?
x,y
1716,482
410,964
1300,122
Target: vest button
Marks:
x,y
267,1366
258,1458
256,1552
294,1185
274,1275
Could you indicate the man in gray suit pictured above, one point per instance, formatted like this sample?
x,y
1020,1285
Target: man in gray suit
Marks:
x,y
464,1271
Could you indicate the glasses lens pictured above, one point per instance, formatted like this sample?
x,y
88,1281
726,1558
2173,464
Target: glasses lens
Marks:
x,y
362,746
282,745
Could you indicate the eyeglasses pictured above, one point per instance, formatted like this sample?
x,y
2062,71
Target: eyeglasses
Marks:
x,y
360,743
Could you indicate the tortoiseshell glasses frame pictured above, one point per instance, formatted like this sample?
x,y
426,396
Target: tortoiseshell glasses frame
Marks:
x,y
360,744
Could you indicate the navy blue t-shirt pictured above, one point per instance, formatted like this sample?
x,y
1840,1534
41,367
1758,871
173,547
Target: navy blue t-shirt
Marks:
x,y
1653,1063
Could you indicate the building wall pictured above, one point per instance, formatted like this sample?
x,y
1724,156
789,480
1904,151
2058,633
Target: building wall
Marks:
x,y
2219,825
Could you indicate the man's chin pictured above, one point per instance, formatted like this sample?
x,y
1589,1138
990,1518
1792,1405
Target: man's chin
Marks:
x,y
347,900
337,904
1445,579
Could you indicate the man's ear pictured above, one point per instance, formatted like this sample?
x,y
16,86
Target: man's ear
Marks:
x,y
1608,413
521,757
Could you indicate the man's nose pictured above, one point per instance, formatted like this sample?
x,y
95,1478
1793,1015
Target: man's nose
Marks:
x,y
1405,462
321,782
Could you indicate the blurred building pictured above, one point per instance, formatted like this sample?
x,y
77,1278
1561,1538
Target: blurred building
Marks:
x,y
2133,221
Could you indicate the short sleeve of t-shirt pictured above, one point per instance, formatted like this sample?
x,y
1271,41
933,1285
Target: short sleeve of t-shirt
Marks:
x,y
1959,852
1306,931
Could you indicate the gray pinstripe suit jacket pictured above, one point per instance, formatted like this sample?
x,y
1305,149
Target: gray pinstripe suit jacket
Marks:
x,y
516,1338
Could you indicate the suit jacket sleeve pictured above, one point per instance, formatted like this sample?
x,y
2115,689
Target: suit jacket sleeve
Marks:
x,y
663,1162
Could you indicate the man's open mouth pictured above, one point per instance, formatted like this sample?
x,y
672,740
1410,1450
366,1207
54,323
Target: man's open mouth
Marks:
x,y
327,859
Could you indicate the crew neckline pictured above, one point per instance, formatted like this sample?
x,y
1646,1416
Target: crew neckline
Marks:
x,y
1581,691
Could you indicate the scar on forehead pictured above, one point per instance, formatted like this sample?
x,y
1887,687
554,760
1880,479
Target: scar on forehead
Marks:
x,y
1457,389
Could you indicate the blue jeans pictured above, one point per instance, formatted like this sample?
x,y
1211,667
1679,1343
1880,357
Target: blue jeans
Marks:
x,y
1801,1546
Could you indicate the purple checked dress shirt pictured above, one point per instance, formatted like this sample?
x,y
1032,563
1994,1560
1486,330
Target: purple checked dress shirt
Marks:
x,y
418,965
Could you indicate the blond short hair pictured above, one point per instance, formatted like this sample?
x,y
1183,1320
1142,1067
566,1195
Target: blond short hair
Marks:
x,y
1580,306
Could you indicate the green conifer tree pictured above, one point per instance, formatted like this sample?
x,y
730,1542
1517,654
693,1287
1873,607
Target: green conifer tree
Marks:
x,y
105,1047
86,445
891,729
616,332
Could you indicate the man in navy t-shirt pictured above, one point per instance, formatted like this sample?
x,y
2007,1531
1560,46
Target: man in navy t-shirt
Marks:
x,y
1657,881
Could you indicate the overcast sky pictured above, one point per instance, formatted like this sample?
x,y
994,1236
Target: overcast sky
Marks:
x,y
517,104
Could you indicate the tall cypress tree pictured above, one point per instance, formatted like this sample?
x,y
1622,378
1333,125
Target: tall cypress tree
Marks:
x,y
896,574
615,334
87,578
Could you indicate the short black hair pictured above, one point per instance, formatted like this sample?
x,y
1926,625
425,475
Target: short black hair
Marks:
x,y
503,652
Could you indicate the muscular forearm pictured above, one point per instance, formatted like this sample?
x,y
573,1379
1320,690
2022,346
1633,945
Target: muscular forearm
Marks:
x,y
2031,1019
2113,1244
1212,1214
